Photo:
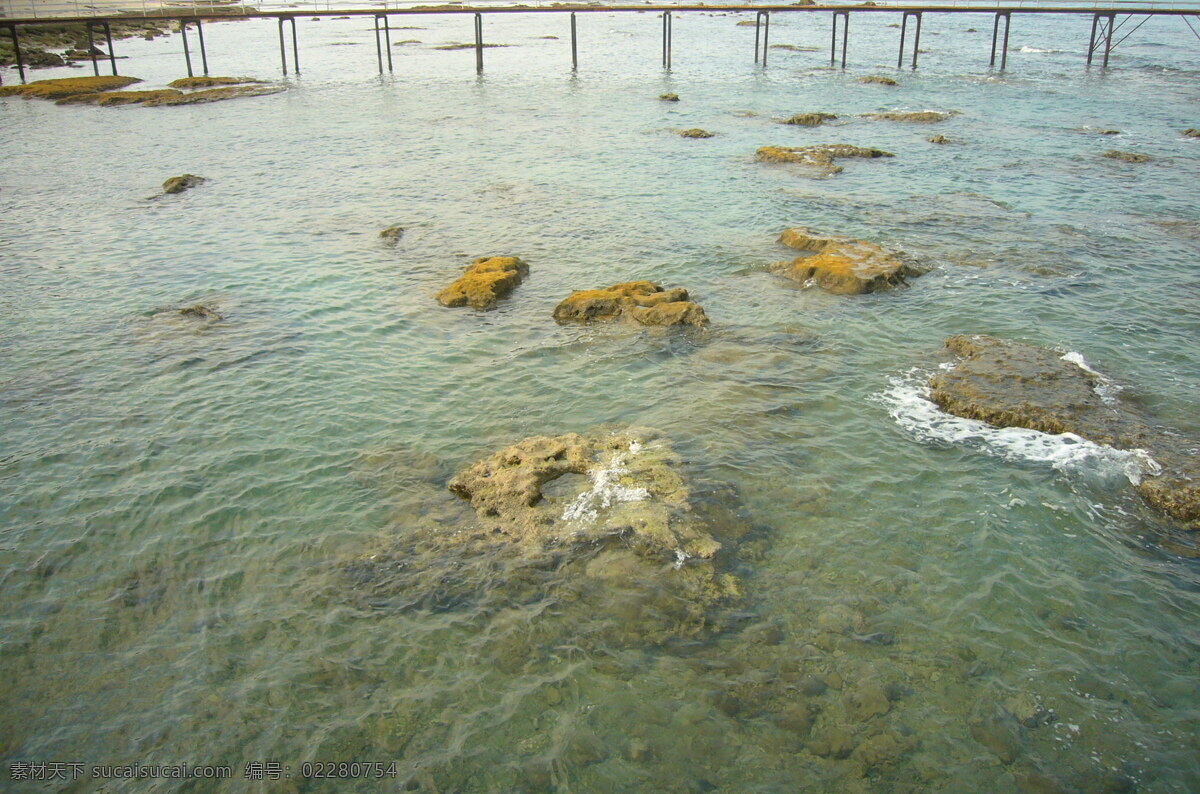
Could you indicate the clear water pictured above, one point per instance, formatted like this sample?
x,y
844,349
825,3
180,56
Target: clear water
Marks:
x,y
180,499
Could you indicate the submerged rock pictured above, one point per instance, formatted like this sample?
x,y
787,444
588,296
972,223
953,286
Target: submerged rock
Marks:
x,y
875,79
1013,384
210,82
485,281
914,117
67,86
696,132
669,97
178,184
843,265
642,301
819,158
809,119
113,98
1191,133
201,312
938,139
216,95
1126,157
393,232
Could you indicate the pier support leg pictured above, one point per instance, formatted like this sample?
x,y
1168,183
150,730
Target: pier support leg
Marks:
x,y
762,20
917,41
845,15
12,31
187,53
479,43
666,54
203,51
283,47
574,45
995,35
92,50
112,56
1104,25
387,41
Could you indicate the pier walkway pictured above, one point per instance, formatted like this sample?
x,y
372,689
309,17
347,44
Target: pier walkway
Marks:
x,y
1112,22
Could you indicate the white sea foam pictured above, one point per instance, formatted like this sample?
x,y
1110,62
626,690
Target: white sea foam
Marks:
x,y
907,401
605,491
1104,387
1027,48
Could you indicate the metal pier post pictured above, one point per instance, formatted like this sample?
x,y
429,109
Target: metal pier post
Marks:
x,y
845,37
203,51
666,57
283,48
995,33
92,50
387,41
12,31
762,19
1106,26
479,42
188,55
574,46
916,39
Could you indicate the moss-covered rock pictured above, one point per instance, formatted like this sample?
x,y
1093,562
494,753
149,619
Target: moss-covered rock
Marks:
x,y
911,117
1127,157
695,132
808,119
1013,384
178,184
875,79
215,95
672,97
820,159
206,81
843,265
642,301
485,281
114,98
67,86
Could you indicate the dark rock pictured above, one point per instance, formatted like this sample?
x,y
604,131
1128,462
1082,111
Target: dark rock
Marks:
x,y
913,117
393,232
178,184
201,312
939,139
1127,157
878,80
809,119
669,97
696,132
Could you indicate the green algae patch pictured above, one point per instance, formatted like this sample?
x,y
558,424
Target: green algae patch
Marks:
x,y
67,86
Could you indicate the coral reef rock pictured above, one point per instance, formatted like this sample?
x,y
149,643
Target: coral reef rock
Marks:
x,y
819,158
485,281
1013,384
843,265
938,139
178,184
642,301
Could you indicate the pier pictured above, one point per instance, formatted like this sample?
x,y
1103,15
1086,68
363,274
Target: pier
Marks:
x,y
1112,23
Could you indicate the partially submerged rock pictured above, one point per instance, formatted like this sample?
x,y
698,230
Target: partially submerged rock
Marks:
x,y
485,281
210,82
1191,133
843,265
67,86
178,184
914,116
216,95
696,132
466,45
642,301
808,119
819,158
114,98
875,79
201,312
1126,157
1013,384
938,139
393,232
669,97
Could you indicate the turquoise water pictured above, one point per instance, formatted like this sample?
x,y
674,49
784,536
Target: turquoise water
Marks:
x,y
181,499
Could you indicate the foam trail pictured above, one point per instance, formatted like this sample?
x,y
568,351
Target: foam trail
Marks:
x,y
1104,386
605,492
907,401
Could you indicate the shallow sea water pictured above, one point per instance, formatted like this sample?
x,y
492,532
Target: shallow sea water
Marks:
x,y
182,500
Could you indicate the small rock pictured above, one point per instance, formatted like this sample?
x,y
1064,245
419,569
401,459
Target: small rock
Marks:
x,y
819,158
206,81
843,265
178,184
393,232
813,686
837,742
867,701
696,132
1108,132
796,718
809,119
939,139
877,80
1191,133
201,312
1127,157
912,117
485,281
669,97
645,302
881,750
1000,734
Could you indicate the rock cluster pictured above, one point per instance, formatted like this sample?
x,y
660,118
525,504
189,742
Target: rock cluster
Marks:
x,y
843,265
641,301
819,158
485,281
1013,384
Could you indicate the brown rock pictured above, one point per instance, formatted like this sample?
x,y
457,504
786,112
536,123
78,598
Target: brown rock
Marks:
x,y
914,117
881,750
843,265
939,139
1127,157
797,718
216,95
642,301
809,119
393,232
178,184
210,82
1191,133
819,158
111,98
877,80
201,312
1012,384
867,701
1000,734
696,132
67,86
837,742
484,282
669,97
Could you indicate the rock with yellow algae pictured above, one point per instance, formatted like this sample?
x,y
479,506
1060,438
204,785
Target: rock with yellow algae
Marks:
x,y
912,117
875,79
1013,384
818,158
67,86
642,301
669,97
843,265
210,82
696,132
808,119
114,98
484,282
178,184
216,95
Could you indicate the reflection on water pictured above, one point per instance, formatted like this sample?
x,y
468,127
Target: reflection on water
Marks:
x,y
231,540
